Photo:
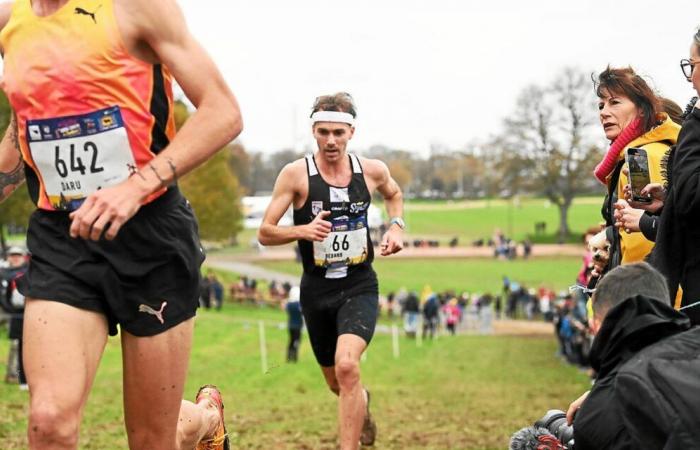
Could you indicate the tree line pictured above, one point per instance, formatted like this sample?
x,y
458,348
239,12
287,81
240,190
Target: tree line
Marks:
x,y
547,146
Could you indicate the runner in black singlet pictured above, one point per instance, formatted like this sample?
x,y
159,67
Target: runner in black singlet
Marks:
x,y
331,192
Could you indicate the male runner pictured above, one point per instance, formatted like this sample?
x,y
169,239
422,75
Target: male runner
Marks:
x,y
331,192
112,239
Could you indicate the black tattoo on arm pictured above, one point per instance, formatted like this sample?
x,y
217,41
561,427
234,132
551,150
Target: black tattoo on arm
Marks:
x,y
14,135
14,177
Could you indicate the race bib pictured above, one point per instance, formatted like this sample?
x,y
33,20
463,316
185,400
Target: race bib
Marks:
x,y
79,155
346,245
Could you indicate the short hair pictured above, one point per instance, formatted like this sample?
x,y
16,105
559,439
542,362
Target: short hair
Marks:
x,y
627,281
672,109
625,81
340,102
696,38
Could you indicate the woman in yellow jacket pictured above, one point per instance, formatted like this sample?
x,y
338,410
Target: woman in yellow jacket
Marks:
x,y
631,116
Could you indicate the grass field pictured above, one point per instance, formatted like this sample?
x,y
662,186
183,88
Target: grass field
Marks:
x,y
478,219
465,392
471,275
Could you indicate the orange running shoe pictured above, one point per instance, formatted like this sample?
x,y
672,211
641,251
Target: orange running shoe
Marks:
x,y
220,440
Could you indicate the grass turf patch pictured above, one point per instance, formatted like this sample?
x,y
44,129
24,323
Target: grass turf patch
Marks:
x,y
471,275
463,392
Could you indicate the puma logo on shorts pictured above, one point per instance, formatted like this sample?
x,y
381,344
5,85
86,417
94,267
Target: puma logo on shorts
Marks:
x,y
148,310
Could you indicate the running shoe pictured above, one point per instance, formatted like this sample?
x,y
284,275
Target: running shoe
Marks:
x,y
369,427
220,440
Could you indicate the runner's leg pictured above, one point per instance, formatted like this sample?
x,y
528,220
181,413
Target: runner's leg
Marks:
x,y
62,349
155,368
352,404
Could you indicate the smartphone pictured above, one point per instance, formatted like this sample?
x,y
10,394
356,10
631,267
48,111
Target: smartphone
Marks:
x,y
638,165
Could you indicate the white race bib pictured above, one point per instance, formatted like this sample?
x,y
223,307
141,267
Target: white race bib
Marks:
x,y
346,245
79,155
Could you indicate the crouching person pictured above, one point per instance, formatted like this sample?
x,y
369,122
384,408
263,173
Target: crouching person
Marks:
x,y
647,356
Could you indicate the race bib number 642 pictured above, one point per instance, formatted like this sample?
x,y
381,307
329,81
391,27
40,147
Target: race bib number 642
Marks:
x,y
78,155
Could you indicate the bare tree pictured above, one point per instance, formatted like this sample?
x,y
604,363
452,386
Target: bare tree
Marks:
x,y
548,144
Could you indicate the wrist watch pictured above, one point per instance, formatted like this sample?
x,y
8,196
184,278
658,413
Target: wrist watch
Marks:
x,y
398,221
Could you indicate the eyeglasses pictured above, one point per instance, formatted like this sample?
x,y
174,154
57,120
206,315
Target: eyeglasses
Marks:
x,y
687,67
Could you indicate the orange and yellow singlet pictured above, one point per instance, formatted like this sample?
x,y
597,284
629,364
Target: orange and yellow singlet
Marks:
x,y
87,111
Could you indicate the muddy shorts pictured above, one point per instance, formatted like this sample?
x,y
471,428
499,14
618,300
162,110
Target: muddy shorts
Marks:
x,y
146,279
336,314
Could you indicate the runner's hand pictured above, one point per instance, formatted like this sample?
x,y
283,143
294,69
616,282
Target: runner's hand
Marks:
x,y
392,241
106,211
318,229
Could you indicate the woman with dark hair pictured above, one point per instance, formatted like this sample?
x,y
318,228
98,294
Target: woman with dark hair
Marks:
x,y
676,254
631,116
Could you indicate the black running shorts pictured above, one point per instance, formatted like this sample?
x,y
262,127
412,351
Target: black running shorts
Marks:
x,y
146,279
335,314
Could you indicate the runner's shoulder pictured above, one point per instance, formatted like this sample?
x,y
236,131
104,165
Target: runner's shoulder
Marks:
x,y
293,173
294,169
374,168
5,12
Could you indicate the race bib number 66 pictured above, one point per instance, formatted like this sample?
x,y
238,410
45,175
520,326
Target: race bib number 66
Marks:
x,y
346,245
78,155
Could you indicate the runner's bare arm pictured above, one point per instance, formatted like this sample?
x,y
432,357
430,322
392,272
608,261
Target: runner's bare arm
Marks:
x,y
5,12
283,194
217,120
158,28
392,242
11,164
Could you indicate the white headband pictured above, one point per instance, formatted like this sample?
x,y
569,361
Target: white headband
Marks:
x,y
333,116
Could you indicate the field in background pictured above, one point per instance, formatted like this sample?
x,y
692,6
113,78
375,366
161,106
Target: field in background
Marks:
x,y
471,220
465,392
471,275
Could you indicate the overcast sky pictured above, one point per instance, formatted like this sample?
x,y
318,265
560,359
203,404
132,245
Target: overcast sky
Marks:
x,y
424,72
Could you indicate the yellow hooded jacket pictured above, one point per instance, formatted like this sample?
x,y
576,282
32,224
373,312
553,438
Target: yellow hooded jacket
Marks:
x,y
634,246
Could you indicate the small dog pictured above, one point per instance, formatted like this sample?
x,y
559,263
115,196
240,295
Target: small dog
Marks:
x,y
600,247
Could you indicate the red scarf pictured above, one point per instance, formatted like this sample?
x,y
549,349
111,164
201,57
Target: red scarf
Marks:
x,y
607,165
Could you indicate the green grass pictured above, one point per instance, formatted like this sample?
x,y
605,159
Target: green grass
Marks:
x,y
478,219
465,392
471,275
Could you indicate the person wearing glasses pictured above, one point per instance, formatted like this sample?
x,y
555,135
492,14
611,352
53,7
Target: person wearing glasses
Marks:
x,y
678,237
631,116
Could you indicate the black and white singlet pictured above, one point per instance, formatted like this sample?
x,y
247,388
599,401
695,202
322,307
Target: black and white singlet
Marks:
x,y
343,260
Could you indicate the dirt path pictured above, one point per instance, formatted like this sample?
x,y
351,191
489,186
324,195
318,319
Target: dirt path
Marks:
x,y
500,327
250,270
287,253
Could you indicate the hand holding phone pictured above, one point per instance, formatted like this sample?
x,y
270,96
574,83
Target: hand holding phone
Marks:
x,y
638,166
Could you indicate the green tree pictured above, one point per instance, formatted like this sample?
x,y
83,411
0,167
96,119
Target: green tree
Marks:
x,y
214,194
240,165
213,190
